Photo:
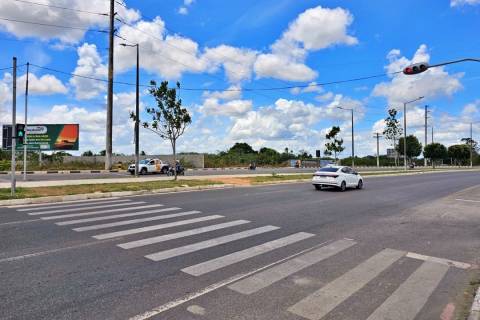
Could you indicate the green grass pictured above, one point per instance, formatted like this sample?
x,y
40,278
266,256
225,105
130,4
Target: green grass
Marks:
x,y
107,187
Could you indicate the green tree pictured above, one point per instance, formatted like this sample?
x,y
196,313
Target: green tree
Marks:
x,y
143,153
393,129
459,153
435,151
334,144
474,144
414,147
241,147
102,153
88,153
169,117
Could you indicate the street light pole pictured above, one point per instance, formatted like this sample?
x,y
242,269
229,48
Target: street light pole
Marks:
x,y
471,145
26,130
137,108
405,130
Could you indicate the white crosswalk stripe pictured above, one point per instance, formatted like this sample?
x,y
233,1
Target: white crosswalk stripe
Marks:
x,y
155,227
411,296
321,302
133,221
115,216
73,205
222,262
33,205
84,208
266,278
91,213
177,235
162,255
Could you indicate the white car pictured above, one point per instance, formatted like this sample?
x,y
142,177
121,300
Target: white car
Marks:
x,y
150,166
337,176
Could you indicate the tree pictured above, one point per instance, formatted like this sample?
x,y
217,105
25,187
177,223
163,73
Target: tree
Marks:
x,y
241,147
169,118
474,143
435,151
459,153
143,153
334,145
392,130
414,147
88,153
102,153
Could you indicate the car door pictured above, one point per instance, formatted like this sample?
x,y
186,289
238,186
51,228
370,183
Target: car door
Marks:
x,y
351,177
151,166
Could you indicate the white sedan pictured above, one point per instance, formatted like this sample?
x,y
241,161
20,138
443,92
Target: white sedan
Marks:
x,y
337,176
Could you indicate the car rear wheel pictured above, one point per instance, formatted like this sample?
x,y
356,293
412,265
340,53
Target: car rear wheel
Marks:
x,y
343,186
360,184
318,187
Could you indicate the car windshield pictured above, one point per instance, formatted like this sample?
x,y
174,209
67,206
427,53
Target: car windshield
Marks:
x,y
143,161
328,170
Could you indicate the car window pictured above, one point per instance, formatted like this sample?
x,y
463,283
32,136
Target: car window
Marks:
x,y
152,162
328,170
345,170
143,162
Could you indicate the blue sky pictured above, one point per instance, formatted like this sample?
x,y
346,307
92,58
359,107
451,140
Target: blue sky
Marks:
x,y
214,45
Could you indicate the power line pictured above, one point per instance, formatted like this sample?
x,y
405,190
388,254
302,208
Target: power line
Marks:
x,y
60,7
53,25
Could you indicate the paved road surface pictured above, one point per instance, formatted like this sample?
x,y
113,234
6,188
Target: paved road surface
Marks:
x,y
271,252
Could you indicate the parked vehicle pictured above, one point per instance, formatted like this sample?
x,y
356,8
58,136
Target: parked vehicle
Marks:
x,y
337,176
149,166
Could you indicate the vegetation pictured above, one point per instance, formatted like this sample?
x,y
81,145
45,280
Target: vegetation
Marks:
x,y
414,147
334,144
459,154
393,130
435,151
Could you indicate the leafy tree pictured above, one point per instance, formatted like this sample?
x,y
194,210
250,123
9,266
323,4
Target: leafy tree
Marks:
x,y
169,118
474,143
303,154
435,151
143,153
102,153
459,153
88,153
393,129
334,144
241,147
414,147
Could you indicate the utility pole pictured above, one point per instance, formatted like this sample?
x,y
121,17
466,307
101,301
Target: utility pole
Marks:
x,y
377,135
108,137
426,124
405,130
432,133
26,131
471,145
353,143
14,125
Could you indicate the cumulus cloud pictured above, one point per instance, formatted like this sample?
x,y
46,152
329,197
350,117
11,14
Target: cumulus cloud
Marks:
x,y
44,85
5,98
49,15
237,62
183,10
458,3
232,108
433,83
232,92
89,64
282,67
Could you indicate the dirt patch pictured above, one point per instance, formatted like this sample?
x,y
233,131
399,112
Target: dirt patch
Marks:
x,y
235,181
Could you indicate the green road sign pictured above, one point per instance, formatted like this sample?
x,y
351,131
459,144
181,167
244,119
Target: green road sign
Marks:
x,y
51,137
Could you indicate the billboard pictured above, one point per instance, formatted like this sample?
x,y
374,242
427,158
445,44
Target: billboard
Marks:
x,y
51,137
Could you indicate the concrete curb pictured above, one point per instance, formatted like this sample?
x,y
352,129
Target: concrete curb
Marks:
x,y
475,310
101,195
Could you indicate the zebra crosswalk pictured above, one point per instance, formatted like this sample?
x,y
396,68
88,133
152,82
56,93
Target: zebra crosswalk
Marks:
x,y
139,226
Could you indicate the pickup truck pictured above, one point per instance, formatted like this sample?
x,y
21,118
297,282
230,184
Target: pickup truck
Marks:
x,y
150,166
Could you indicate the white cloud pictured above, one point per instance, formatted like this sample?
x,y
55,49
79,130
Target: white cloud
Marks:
x,y
433,83
49,15
183,10
457,3
233,92
281,67
311,87
5,98
89,64
233,108
45,85
237,62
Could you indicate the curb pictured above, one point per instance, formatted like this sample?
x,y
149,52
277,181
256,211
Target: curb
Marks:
x,y
101,195
475,310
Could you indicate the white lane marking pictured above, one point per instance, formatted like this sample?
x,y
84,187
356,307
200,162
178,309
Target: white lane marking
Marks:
x,y
72,205
133,221
155,227
166,237
229,259
42,253
270,276
191,296
59,203
324,300
451,263
73,215
411,296
175,252
467,200
85,208
19,222
115,216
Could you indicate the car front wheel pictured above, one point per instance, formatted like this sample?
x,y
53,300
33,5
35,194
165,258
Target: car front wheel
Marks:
x,y
318,187
143,171
360,184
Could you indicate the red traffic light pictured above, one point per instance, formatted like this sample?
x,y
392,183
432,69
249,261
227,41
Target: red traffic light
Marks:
x,y
416,68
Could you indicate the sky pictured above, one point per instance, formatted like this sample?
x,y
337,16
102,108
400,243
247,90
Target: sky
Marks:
x,y
234,59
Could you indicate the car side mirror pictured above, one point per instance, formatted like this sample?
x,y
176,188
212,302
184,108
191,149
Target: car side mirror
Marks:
x,y
355,173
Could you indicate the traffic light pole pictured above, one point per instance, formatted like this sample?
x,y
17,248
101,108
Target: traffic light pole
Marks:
x,y
471,145
14,124
426,134
25,137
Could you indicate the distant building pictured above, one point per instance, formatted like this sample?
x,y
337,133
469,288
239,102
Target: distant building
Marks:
x,y
391,153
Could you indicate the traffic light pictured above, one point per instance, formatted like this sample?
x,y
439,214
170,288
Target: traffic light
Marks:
x,y
20,133
416,68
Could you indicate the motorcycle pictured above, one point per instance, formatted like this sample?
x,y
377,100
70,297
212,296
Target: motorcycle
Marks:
x,y
180,171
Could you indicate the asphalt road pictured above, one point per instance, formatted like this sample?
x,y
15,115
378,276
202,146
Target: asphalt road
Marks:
x,y
270,252
113,175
